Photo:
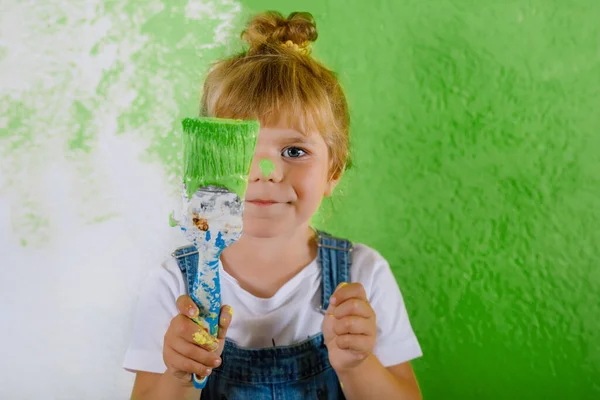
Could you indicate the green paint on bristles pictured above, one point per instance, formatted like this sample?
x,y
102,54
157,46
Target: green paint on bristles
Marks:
x,y
218,151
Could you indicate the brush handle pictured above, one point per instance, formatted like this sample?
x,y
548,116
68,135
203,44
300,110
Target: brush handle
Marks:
x,y
213,326
199,383
211,220
207,297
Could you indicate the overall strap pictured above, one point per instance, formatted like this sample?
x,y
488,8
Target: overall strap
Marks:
x,y
334,257
187,260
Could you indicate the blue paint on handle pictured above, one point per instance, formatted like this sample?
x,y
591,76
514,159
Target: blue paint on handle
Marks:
x,y
199,383
210,289
220,242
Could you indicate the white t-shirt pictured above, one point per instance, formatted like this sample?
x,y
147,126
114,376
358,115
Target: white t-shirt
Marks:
x,y
289,317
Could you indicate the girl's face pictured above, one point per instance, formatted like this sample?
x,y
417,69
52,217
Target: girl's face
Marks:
x,y
284,195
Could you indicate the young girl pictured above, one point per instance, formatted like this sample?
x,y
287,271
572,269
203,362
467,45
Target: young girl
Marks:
x,y
315,316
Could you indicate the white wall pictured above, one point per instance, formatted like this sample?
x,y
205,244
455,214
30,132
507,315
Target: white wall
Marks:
x,y
83,221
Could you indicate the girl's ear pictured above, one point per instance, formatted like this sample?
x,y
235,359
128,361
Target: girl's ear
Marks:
x,y
332,183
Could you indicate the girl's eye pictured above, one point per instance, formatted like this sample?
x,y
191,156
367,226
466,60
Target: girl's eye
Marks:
x,y
293,152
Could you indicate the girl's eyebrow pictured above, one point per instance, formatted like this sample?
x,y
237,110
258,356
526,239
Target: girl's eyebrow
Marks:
x,y
296,139
294,136
291,136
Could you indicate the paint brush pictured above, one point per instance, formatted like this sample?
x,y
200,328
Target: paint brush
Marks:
x,y
217,154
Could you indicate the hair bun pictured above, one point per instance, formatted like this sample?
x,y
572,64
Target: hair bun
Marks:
x,y
272,27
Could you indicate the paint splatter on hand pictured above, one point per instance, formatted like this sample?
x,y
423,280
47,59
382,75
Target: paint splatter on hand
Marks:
x,y
188,347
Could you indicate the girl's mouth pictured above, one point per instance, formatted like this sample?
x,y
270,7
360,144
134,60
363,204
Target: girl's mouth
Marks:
x,y
262,203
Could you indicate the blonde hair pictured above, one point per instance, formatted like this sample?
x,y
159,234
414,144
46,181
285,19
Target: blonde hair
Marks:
x,y
277,78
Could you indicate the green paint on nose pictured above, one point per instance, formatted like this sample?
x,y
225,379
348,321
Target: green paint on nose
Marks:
x,y
267,167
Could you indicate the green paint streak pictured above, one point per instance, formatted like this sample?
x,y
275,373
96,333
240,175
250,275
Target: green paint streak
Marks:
x,y
173,44
31,226
16,114
82,138
218,152
172,221
109,78
267,167
95,49
103,218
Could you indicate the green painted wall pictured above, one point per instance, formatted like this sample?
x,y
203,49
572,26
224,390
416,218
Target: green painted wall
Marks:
x,y
476,139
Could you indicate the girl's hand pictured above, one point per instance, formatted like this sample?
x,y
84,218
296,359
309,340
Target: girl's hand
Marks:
x,y
189,348
349,327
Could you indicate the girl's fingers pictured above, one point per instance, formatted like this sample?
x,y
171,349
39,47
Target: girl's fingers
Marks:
x,y
354,325
186,306
224,321
362,345
190,331
205,340
346,291
354,306
179,362
196,353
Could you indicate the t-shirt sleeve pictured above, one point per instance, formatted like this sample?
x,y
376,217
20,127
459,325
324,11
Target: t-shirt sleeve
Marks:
x,y
396,340
155,309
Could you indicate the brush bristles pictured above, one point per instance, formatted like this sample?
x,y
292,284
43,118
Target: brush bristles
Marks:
x,y
218,152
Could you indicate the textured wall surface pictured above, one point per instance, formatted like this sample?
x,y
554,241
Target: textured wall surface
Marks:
x,y
477,150
476,144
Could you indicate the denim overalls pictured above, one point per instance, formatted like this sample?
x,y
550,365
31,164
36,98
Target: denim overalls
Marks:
x,y
296,372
